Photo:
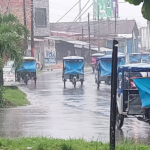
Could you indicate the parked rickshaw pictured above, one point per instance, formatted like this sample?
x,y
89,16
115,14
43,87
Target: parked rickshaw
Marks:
x,y
104,68
94,57
27,70
73,69
135,58
145,57
133,95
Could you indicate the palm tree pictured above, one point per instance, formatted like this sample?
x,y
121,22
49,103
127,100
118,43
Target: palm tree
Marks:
x,y
12,37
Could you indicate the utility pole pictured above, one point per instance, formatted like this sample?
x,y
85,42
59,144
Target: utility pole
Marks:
x,y
24,12
80,10
89,35
32,29
133,51
82,33
98,29
25,24
113,95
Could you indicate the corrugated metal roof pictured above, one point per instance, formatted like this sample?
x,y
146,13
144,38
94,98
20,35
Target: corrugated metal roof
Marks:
x,y
75,42
107,27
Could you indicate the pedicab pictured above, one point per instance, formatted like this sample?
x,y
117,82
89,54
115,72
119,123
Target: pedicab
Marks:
x,y
94,57
145,57
73,70
133,94
134,58
104,68
27,70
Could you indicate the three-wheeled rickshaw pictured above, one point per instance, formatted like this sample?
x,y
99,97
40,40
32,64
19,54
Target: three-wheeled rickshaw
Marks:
x,y
135,58
145,57
133,94
104,68
94,62
73,69
27,70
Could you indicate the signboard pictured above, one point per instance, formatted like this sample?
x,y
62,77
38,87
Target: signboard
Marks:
x,y
9,74
115,8
107,8
49,52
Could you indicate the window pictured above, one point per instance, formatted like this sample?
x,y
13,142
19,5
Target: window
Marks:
x,y
40,17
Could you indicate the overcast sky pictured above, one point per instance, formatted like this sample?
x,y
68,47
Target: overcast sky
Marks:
x,y
59,7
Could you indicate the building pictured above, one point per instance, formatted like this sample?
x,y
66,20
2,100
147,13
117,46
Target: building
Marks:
x,y
126,32
145,37
41,14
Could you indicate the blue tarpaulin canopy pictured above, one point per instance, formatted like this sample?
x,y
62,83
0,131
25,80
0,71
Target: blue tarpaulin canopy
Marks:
x,y
145,57
73,67
143,85
106,63
133,58
28,67
139,67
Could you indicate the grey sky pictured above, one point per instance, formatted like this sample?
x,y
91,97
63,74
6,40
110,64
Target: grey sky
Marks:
x,y
59,7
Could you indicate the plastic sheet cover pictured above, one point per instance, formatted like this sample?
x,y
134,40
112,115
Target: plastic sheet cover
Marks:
x,y
73,67
28,67
105,66
143,86
134,58
145,57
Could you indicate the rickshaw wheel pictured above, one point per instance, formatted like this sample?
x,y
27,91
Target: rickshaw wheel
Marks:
x,y
26,82
98,85
119,120
64,84
81,82
74,84
35,81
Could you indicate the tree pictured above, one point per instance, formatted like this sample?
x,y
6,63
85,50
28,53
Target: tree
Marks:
x,y
12,37
145,7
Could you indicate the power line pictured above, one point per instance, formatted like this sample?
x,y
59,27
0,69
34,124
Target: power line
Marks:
x,y
81,11
68,12
58,5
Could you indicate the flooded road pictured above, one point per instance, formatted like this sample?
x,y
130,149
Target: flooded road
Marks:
x,y
66,113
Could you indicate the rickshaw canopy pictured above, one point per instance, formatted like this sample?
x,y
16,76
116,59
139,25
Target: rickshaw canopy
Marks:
x,y
105,64
98,55
28,67
73,65
134,57
145,57
143,86
139,67
73,58
29,59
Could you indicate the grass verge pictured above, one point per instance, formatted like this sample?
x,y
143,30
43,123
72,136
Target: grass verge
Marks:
x,y
14,97
60,144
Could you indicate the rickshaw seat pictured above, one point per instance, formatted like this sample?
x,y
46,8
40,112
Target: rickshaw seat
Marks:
x,y
131,91
134,104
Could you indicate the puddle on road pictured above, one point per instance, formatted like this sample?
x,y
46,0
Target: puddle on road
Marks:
x,y
81,112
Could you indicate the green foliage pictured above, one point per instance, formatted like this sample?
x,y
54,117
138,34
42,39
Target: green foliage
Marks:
x,y
60,144
135,2
1,96
1,63
145,7
12,36
14,97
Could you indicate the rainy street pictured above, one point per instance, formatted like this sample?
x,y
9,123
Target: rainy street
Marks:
x,y
81,112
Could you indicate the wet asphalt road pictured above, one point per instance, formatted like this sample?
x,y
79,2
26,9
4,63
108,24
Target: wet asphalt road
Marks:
x,y
56,112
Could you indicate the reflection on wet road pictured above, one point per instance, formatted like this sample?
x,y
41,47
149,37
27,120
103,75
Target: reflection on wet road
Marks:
x,y
56,112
